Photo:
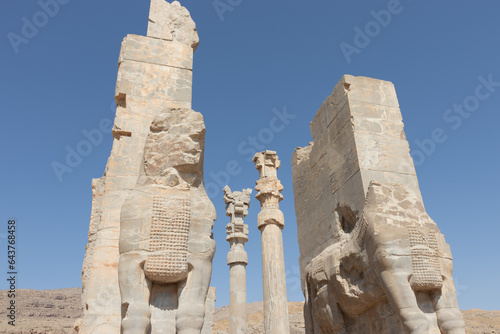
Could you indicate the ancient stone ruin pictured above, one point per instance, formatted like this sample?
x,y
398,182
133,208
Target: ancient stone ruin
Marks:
x,y
371,260
270,222
148,262
165,244
237,204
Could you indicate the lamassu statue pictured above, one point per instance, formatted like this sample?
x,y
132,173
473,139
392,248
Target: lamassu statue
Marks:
x,y
394,250
166,246
372,261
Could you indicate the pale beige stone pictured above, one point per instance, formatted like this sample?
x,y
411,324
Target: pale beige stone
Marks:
x,y
270,222
152,81
156,51
372,261
172,22
237,204
209,311
166,248
154,78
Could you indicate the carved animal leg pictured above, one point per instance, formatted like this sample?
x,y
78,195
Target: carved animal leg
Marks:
x,y
192,296
308,320
326,312
338,320
134,291
450,319
402,297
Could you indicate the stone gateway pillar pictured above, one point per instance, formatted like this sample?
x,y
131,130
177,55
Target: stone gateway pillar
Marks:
x,y
372,261
270,222
148,262
237,204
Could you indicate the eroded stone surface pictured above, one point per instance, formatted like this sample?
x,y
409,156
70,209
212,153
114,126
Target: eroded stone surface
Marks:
x,y
372,261
152,140
209,311
270,222
166,246
172,22
237,204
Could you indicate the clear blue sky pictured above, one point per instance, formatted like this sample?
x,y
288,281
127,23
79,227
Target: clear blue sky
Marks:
x,y
262,56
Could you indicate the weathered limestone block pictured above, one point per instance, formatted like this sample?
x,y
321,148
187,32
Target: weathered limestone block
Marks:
x,y
151,81
371,259
209,311
172,22
270,222
156,51
165,231
97,192
237,204
154,78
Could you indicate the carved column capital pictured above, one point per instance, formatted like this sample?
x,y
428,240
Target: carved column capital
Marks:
x,y
237,204
267,163
270,223
269,189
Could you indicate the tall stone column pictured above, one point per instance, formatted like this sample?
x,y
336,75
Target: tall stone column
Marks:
x,y
237,204
270,222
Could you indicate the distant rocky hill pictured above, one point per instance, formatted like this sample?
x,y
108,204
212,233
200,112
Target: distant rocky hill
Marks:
x,y
42,311
55,312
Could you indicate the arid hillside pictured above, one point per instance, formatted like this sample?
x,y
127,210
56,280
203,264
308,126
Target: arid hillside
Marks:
x,y
55,312
42,311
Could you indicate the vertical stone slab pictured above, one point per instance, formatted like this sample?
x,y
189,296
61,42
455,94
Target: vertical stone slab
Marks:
x,y
358,137
209,311
371,259
154,74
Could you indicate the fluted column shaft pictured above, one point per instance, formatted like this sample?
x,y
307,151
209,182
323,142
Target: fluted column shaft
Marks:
x,y
237,204
270,222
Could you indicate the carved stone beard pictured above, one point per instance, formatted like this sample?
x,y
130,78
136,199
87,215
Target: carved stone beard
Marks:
x,y
173,153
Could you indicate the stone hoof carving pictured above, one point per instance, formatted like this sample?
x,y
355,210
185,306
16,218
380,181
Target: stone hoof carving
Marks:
x,y
165,229
393,250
